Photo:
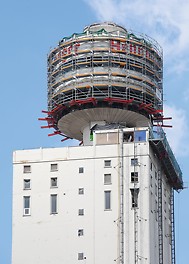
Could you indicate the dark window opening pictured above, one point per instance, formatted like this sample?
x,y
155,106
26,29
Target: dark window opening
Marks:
x,y
134,176
134,197
81,170
128,137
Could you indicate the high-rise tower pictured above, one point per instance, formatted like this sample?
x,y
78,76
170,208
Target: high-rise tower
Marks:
x,y
104,74
110,200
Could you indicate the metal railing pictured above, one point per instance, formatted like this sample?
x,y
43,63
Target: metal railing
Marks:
x,y
159,134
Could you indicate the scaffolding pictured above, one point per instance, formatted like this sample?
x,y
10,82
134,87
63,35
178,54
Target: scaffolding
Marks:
x,y
160,219
135,193
100,64
160,145
122,233
172,227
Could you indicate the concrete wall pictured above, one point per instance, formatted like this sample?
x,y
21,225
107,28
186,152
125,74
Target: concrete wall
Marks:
x,y
43,237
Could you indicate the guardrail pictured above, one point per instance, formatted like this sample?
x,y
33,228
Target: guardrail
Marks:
x,y
159,134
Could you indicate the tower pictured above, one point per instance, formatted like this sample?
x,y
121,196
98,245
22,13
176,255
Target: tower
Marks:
x,y
104,74
111,199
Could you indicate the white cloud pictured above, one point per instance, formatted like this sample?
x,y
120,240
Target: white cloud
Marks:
x,y
166,21
178,135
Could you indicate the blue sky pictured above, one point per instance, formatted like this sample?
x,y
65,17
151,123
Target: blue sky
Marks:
x,y
28,30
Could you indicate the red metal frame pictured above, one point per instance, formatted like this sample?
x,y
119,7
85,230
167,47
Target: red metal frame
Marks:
x,y
81,102
51,115
111,100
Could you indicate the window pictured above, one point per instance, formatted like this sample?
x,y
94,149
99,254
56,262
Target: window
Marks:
x,y
81,212
131,136
80,232
26,205
134,162
81,191
27,184
107,163
80,256
54,167
107,178
151,166
140,135
81,170
54,182
53,203
134,194
134,176
128,137
107,196
27,168
156,175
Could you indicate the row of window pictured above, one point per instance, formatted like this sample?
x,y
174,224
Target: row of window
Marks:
x,y
54,197
54,166
54,181
134,162
107,202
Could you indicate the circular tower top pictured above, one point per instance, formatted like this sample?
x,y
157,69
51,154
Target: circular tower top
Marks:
x,y
104,74
107,26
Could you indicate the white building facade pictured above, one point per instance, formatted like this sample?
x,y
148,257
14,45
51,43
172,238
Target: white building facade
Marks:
x,y
107,202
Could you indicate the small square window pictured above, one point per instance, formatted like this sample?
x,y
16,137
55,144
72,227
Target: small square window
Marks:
x,y
107,163
80,232
54,182
81,170
81,212
134,162
81,191
107,178
54,167
140,135
128,137
134,176
80,256
27,184
27,168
